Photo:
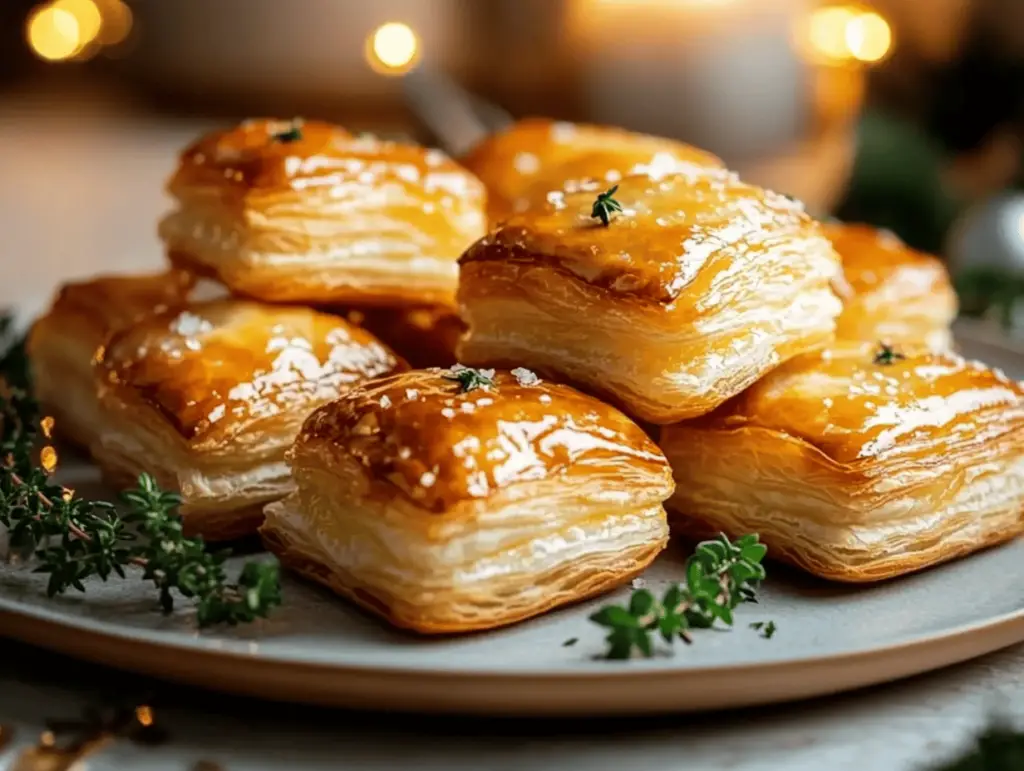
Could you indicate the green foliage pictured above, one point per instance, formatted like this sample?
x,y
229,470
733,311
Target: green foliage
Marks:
x,y
720,575
74,539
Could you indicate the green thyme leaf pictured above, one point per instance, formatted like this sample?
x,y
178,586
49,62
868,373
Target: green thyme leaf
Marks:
x,y
720,576
605,206
469,378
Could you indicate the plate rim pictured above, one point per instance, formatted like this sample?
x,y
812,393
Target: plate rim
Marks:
x,y
580,693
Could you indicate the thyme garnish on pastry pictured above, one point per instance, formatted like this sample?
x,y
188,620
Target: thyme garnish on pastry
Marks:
x,y
886,355
606,205
470,379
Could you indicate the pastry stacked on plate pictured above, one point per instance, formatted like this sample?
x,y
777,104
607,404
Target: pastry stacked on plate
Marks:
x,y
463,395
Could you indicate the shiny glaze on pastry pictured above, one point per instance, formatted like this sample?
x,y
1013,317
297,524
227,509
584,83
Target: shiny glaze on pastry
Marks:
x,y
424,336
449,510
856,470
894,293
62,342
533,156
697,288
209,397
325,218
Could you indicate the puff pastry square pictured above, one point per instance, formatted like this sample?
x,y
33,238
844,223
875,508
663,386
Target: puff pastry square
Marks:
x,y
855,470
892,292
424,336
522,163
63,341
446,510
208,399
700,286
285,211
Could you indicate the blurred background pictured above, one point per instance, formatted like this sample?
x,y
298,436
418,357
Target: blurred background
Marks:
x,y
907,114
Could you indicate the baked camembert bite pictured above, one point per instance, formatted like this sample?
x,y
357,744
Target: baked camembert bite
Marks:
x,y
893,293
208,398
858,463
666,296
522,163
303,211
460,500
63,341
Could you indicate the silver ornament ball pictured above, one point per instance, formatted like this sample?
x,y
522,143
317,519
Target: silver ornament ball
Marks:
x,y
989,235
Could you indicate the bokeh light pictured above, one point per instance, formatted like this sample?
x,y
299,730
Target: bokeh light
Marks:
x,y
393,48
117,22
868,37
54,33
86,13
845,34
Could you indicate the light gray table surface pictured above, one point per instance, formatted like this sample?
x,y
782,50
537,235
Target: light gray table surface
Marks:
x,y
80,190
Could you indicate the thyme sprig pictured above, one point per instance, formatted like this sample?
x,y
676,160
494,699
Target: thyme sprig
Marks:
x,y
605,206
73,538
720,575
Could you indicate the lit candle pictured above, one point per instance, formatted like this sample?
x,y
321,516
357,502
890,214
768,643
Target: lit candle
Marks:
x,y
723,74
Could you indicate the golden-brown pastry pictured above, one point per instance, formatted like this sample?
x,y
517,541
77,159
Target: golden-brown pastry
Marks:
x,y
424,337
209,398
855,470
62,342
700,286
521,164
894,293
447,510
285,211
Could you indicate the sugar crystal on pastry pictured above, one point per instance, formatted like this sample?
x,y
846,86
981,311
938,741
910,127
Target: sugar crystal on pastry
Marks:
x,y
324,217
699,286
857,470
208,398
449,510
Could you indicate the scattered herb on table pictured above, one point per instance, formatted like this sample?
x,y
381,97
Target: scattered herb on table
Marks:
x,y
720,575
73,538
605,206
767,630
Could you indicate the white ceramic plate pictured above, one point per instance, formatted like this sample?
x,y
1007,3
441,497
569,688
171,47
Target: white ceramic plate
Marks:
x,y
317,649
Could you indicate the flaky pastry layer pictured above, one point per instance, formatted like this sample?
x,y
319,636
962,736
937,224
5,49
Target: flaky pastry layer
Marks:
x,y
501,563
324,218
857,471
698,288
